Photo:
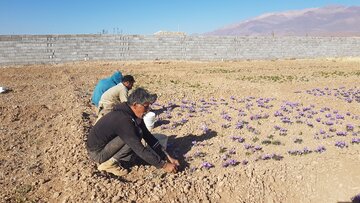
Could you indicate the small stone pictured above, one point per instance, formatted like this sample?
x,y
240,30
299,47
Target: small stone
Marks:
x,y
186,188
92,197
156,198
56,195
116,199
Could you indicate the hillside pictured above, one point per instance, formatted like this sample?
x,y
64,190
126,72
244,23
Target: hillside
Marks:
x,y
326,21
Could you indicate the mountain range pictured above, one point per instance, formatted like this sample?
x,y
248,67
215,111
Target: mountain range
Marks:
x,y
327,21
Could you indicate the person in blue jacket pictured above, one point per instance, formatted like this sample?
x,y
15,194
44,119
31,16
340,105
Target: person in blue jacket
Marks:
x,y
105,84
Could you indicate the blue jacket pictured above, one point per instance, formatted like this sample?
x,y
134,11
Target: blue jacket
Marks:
x,y
105,84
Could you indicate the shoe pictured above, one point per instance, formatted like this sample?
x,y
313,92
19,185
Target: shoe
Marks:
x,y
113,167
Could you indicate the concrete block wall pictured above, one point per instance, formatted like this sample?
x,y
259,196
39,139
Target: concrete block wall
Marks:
x,y
32,49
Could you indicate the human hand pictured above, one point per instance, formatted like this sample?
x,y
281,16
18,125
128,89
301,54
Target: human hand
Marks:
x,y
170,167
173,161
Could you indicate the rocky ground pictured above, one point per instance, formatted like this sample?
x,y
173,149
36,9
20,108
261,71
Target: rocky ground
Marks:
x,y
248,131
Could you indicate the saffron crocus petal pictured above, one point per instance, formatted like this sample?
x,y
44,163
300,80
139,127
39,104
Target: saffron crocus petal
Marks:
x,y
207,165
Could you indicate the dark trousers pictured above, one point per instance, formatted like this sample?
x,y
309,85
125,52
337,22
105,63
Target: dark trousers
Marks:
x,y
116,149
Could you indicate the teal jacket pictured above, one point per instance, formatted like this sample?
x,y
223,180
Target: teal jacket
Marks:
x,y
105,84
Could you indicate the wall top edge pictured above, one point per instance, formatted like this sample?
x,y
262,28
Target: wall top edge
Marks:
x,y
168,36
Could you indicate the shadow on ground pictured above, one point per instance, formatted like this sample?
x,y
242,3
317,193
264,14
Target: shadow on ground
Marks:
x,y
179,146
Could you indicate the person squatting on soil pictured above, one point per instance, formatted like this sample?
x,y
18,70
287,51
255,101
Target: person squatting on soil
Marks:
x,y
105,84
115,95
115,139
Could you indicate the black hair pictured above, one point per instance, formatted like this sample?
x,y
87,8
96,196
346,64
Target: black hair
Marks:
x,y
128,78
141,96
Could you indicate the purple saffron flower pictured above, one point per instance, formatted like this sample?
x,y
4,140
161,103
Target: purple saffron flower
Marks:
x,y
356,198
199,154
283,131
224,157
184,120
285,119
338,116
193,169
242,113
240,139
244,162
239,125
248,146
258,148
204,128
226,117
207,165
349,127
340,133
191,109
232,151
329,123
183,107
233,162
320,149
355,140
306,150
349,100
237,138
225,164
266,156
278,113
341,144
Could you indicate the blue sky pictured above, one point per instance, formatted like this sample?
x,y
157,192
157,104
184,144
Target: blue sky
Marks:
x,y
143,17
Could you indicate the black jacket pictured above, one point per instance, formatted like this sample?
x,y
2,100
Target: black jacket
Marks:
x,y
123,122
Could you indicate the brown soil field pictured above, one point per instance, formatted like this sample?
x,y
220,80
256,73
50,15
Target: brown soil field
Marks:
x,y
245,131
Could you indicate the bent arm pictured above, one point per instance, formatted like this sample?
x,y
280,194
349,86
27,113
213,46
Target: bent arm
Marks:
x,y
127,132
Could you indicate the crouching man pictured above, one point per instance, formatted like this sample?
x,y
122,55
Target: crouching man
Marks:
x,y
116,138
